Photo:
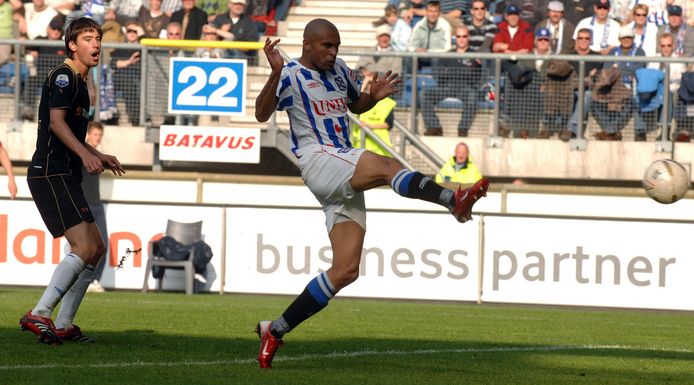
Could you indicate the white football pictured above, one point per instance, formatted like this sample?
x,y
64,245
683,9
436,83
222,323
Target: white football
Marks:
x,y
666,181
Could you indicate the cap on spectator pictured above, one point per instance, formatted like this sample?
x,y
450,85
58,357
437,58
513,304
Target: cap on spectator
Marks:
x,y
238,2
55,24
556,6
383,29
512,10
542,33
674,10
626,31
435,2
602,3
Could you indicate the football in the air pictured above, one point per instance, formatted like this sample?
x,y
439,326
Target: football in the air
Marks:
x,y
666,181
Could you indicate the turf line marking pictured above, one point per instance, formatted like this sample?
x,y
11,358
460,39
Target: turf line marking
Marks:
x,y
358,353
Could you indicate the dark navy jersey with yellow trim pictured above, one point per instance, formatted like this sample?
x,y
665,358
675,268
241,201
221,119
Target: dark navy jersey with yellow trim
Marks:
x,y
63,88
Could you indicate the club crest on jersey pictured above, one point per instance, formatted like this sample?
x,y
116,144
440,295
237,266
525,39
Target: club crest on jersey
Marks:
x,y
340,83
62,80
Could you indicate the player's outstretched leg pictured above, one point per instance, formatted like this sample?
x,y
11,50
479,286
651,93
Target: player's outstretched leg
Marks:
x,y
466,198
414,184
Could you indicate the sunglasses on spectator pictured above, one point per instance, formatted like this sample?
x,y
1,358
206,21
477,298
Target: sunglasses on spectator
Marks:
x,y
462,36
602,7
478,8
582,38
666,45
542,39
641,14
131,30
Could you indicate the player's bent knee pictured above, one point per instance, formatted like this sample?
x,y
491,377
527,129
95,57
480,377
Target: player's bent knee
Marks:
x,y
346,277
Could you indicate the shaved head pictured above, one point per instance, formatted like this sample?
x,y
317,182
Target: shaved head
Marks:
x,y
320,46
318,27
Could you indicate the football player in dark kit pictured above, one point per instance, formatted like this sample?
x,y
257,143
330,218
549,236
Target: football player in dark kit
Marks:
x,y
54,178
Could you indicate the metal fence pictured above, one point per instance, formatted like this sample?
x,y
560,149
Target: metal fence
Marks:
x,y
497,97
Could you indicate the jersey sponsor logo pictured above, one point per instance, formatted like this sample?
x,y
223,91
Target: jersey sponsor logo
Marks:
x,y
323,107
340,81
313,85
62,80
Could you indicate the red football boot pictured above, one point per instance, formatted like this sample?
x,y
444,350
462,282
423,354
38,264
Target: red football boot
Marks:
x,y
41,326
73,333
465,199
268,344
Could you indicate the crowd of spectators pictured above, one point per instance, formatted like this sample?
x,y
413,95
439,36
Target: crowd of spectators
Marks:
x,y
541,96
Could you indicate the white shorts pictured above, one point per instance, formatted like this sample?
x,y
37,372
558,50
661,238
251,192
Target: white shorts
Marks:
x,y
327,172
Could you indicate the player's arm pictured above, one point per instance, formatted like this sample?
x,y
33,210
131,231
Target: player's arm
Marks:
x,y
109,161
266,102
379,88
60,128
7,165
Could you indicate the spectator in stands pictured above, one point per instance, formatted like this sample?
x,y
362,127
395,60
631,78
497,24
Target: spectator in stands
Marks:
x,y
626,48
191,19
455,78
431,34
125,64
591,68
92,193
8,16
561,29
666,47
209,34
235,25
645,33
415,11
577,10
605,30
684,39
400,30
93,9
213,7
153,20
611,103
37,16
112,32
282,9
459,168
44,59
380,119
7,165
530,11
480,28
515,35
63,7
171,6
127,10
657,10
380,64
453,10
262,12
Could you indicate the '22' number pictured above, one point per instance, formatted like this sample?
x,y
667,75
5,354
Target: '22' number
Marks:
x,y
216,99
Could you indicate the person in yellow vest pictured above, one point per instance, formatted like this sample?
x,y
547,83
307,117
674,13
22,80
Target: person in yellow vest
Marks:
x,y
459,168
379,119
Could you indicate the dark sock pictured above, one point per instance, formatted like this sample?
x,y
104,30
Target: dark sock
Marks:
x,y
414,184
312,300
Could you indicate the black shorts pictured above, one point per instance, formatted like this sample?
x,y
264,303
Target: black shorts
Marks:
x,y
60,201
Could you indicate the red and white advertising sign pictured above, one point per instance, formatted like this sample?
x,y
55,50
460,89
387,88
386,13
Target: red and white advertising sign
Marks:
x,y
209,144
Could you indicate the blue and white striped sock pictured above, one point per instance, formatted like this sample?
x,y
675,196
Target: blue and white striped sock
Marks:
x,y
415,185
313,299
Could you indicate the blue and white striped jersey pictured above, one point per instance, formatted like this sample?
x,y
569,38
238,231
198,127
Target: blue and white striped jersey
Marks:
x,y
316,103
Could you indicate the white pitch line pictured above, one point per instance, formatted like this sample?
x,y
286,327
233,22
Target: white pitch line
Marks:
x,y
359,353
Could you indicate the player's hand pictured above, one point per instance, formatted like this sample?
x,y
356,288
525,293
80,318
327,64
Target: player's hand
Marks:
x,y
383,87
273,55
112,163
12,187
92,164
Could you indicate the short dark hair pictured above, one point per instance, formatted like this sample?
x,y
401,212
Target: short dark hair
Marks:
x,y
77,26
585,30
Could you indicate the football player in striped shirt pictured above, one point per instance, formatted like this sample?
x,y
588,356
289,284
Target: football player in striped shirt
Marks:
x,y
316,91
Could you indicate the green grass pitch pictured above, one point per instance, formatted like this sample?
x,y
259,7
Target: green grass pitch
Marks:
x,y
170,338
